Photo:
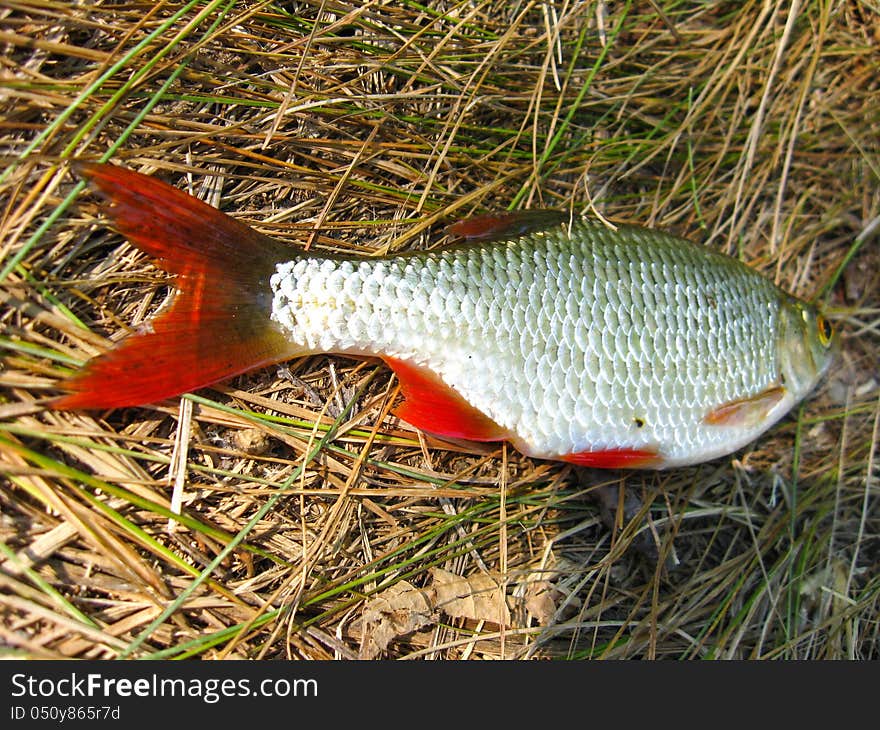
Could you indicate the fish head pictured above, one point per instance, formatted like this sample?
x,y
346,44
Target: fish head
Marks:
x,y
806,344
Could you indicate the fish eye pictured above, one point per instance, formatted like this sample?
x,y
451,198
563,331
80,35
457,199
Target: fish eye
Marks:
x,y
825,330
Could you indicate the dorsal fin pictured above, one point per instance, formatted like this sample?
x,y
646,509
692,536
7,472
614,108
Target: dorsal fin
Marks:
x,y
498,226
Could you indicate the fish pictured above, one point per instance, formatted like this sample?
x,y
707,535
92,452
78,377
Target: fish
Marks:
x,y
609,347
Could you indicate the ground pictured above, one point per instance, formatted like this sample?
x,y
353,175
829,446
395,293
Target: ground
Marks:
x,y
287,512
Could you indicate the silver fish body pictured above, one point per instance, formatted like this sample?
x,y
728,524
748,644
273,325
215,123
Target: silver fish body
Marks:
x,y
574,340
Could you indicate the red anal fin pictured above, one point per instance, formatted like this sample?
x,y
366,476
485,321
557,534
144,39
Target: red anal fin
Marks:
x,y
617,459
746,412
432,406
219,324
497,226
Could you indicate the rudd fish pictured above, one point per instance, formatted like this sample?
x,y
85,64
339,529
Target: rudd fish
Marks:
x,y
573,341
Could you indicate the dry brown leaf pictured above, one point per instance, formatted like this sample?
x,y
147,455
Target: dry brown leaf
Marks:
x,y
399,610
541,601
480,597
251,441
402,608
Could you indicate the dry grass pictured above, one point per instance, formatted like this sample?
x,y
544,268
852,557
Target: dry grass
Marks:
x,y
312,522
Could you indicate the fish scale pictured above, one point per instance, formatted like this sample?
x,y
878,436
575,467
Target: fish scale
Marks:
x,y
580,342
570,339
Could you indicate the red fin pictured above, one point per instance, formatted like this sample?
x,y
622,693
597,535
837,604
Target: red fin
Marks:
x,y
495,226
746,412
219,324
617,459
433,407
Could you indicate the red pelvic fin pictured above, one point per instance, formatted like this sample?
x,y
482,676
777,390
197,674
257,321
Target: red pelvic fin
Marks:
x,y
748,412
433,407
219,324
617,458
497,226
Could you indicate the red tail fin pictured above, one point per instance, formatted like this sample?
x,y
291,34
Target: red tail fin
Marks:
x,y
219,324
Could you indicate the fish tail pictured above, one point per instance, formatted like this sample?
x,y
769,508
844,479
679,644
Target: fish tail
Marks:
x,y
219,324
